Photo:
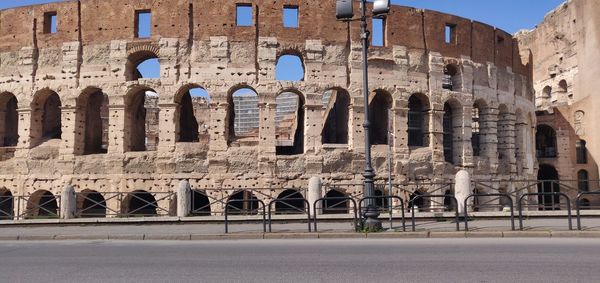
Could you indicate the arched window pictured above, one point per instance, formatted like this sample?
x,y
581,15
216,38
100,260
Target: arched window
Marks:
x,y
547,92
289,124
583,181
562,85
289,68
243,202
46,117
475,131
141,123
418,107
7,204
290,202
142,64
545,141
90,204
193,114
336,104
448,133
581,150
335,203
243,115
380,106
451,80
200,203
140,203
9,120
92,120
42,203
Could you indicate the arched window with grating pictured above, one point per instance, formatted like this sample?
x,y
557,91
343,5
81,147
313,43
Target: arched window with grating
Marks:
x,y
417,120
581,150
583,181
243,115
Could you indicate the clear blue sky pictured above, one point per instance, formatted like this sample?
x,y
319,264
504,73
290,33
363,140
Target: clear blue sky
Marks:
x,y
509,15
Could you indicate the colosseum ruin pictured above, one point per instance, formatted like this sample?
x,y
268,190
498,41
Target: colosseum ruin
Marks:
x,y
447,94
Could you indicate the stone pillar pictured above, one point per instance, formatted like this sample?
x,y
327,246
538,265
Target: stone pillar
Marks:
x,y
184,199
69,122
315,193
266,138
24,132
462,189
167,124
68,202
117,136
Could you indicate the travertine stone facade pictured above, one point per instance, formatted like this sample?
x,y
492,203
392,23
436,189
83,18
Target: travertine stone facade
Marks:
x,y
197,42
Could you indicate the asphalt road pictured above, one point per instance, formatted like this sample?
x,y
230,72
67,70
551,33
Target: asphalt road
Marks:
x,y
351,260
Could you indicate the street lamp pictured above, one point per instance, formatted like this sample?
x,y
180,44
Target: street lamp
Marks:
x,y
344,12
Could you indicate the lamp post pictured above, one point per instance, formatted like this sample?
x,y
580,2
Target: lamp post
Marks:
x,y
344,11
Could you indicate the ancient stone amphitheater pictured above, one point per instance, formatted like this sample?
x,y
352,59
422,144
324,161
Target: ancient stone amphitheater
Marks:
x,y
448,94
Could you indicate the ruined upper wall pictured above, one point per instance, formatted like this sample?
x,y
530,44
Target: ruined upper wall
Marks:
x,y
101,21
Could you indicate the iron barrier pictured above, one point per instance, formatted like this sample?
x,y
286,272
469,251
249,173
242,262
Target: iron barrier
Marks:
x,y
48,206
452,197
341,199
231,201
283,201
148,207
389,206
96,204
512,212
578,205
7,213
553,194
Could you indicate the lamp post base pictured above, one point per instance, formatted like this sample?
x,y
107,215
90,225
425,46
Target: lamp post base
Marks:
x,y
372,222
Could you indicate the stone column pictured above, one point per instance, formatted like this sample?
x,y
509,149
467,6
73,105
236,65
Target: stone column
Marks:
x,y
314,193
462,189
184,200
401,132
489,136
167,126
266,138
117,134
68,202
24,131
68,125
466,135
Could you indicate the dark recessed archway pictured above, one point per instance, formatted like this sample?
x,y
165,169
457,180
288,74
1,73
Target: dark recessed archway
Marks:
x,y
548,182
140,203
243,202
337,204
91,204
42,204
200,204
290,202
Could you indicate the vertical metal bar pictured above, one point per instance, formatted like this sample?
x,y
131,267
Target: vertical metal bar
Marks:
x,y
412,212
264,220
521,212
315,213
456,212
226,220
466,215
403,220
569,210
512,214
270,214
18,207
577,208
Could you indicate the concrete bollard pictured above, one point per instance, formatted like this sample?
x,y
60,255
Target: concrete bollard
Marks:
x,y
184,199
462,189
315,193
68,202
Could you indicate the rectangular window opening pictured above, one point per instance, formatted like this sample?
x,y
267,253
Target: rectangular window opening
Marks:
x,y
244,15
50,22
451,33
143,23
378,37
290,16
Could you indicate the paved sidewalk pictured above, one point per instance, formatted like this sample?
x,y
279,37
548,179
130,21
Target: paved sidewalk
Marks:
x,y
537,227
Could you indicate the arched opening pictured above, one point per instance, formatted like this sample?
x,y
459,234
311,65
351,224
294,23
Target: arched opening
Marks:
x,y
505,122
9,120
289,68
547,92
243,202
583,181
142,64
545,141
548,183
289,124
337,204
140,203
42,204
336,104
418,120
45,117
7,207
451,79
562,86
91,204
141,124
476,129
290,202
200,204
416,201
243,115
449,204
192,115
581,151
382,199
92,120
450,120
380,106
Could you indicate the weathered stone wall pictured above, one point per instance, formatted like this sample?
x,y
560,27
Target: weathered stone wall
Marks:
x,y
198,44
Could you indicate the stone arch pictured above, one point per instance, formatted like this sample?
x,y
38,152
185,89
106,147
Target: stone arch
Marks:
x,y
200,203
244,202
91,204
290,66
562,87
545,141
380,116
141,119
452,77
192,115
42,204
418,120
92,122
451,121
335,206
289,123
137,55
243,114
336,103
290,202
547,92
139,203
7,204
45,117
9,120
